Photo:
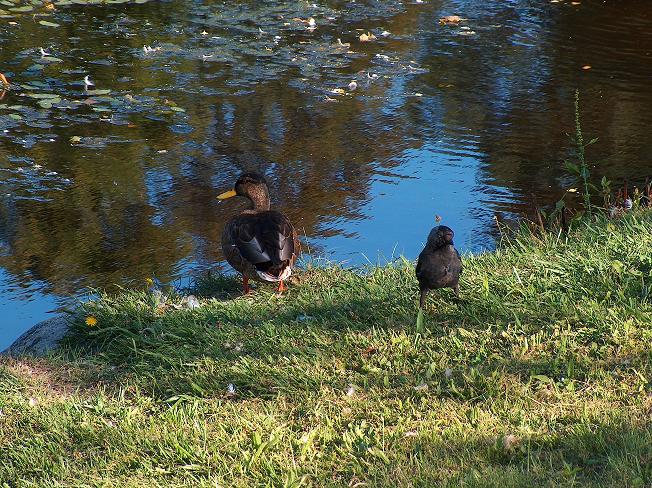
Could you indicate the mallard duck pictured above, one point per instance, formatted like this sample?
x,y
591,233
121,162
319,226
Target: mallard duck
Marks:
x,y
439,264
259,243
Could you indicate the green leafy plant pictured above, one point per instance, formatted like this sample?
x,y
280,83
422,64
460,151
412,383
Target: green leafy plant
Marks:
x,y
581,168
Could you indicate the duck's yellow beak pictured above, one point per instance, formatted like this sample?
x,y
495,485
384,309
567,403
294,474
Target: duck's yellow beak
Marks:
x,y
226,194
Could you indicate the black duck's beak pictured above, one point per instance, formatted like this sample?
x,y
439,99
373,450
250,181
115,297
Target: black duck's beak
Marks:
x,y
226,194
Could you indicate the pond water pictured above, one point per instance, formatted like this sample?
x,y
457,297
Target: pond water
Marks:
x,y
116,182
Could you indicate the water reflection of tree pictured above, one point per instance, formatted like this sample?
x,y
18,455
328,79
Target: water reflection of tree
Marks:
x,y
142,207
527,68
135,210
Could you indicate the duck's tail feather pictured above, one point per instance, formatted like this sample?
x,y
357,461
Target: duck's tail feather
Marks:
x,y
274,272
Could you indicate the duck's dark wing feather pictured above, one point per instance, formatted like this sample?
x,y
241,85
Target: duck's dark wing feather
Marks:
x,y
264,237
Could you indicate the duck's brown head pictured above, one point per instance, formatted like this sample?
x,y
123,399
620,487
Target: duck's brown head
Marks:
x,y
252,186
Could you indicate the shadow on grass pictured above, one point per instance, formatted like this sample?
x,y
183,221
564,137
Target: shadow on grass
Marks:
x,y
605,455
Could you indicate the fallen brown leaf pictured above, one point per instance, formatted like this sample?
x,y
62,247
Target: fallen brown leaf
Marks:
x,y
451,19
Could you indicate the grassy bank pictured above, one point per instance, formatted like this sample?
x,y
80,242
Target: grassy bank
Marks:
x,y
539,376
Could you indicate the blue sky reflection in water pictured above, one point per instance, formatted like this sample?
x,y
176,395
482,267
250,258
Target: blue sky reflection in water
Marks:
x,y
464,121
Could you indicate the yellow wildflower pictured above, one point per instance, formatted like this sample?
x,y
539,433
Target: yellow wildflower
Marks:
x,y
149,281
91,321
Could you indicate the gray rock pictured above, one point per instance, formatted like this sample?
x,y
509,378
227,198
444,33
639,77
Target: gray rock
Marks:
x,y
40,339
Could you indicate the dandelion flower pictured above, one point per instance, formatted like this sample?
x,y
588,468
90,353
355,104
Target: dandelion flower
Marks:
x,y
91,321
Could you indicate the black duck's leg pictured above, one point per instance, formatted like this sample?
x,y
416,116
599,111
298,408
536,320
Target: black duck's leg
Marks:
x,y
456,290
422,298
245,284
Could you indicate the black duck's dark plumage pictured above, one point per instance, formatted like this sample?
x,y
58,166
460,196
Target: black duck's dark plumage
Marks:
x,y
439,264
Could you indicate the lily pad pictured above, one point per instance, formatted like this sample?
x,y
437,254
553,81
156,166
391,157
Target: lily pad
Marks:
x,y
24,8
50,59
98,92
48,23
48,102
43,95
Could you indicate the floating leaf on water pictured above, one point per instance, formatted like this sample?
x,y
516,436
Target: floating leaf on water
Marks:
x,y
43,95
24,8
49,59
177,109
62,3
101,109
47,23
46,103
16,116
75,140
451,19
98,92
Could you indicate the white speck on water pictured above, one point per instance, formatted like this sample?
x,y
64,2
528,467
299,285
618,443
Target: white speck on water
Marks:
x,y
353,85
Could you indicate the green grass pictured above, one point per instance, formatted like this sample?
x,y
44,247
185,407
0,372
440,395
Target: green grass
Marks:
x,y
539,376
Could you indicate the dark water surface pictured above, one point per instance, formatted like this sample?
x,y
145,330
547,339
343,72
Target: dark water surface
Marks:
x,y
465,121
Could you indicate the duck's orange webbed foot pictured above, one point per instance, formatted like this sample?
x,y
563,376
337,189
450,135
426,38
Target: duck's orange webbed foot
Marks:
x,y
281,287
